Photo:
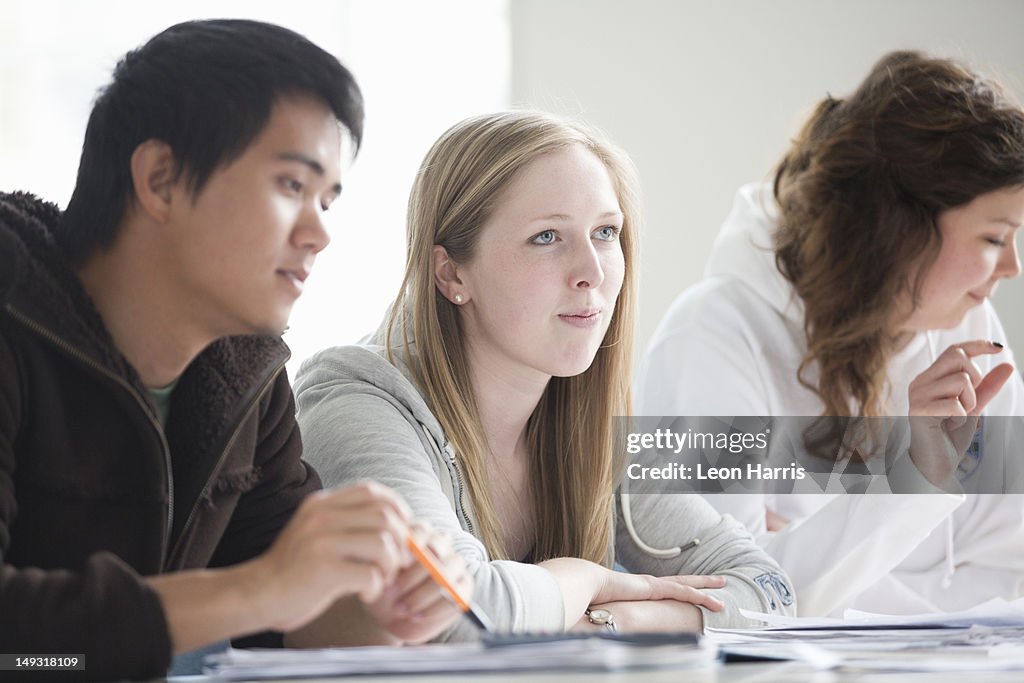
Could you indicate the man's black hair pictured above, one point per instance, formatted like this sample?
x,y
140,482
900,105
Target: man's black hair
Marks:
x,y
206,88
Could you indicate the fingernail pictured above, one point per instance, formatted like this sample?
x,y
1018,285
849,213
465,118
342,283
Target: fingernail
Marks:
x,y
401,609
997,345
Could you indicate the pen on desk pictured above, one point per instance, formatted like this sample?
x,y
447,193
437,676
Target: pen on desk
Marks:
x,y
430,564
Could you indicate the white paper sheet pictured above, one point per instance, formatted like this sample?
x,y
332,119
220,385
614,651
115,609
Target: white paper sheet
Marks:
x,y
997,612
584,654
989,637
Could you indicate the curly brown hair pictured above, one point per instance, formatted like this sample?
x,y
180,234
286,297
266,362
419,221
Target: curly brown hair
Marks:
x,y
860,192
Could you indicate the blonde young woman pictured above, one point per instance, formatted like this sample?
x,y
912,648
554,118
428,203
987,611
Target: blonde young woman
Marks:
x,y
858,285
486,400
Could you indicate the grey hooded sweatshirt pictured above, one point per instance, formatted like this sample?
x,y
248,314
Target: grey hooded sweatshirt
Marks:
x,y
363,418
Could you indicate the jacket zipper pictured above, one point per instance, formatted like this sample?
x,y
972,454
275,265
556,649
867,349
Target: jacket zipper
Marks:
x,y
444,454
462,504
165,449
220,459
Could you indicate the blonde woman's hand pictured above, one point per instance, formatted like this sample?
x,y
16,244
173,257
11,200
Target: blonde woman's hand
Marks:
x,y
657,616
945,401
414,608
667,603
624,587
585,583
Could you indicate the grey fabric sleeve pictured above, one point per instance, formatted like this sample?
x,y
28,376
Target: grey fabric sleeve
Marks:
x,y
353,430
754,580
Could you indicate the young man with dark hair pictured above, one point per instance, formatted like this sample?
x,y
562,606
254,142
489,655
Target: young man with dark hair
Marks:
x,y
152,495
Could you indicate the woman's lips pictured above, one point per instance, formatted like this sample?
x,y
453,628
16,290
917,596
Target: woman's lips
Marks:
x,y
585,318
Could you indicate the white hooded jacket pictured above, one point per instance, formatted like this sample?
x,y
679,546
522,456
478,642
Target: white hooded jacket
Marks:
x,y
731,345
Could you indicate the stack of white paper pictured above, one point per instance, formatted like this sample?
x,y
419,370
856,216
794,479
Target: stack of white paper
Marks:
x,y
995,612
989,637
577,654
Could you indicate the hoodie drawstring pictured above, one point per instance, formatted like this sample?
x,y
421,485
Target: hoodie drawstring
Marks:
x,y
627,518
949,566
947,576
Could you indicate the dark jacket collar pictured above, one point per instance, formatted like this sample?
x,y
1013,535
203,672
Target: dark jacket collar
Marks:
x,y
37,282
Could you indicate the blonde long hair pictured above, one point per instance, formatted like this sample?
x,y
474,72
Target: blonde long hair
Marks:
x,y
569,434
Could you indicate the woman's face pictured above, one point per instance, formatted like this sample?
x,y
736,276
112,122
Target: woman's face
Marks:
x,y
541,286
978,250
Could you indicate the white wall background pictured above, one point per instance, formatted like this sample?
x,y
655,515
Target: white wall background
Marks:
x,y
705,95
422,67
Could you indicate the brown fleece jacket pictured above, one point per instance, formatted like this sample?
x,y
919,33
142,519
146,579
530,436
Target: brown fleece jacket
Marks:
x,y
94,494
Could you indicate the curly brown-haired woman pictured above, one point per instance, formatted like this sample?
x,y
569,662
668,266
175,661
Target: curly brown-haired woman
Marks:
x,y
858,285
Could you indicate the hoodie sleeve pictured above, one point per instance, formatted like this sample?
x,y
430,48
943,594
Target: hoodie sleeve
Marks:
x,y
711,544
355,430
104,611
852,543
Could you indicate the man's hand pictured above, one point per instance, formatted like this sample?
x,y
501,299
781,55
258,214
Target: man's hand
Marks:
x,y
340,542
414,608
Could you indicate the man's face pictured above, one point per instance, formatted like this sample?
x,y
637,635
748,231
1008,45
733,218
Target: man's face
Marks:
x,y
242,249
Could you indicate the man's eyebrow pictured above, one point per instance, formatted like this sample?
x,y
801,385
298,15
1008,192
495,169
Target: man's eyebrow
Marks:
x,y
309,161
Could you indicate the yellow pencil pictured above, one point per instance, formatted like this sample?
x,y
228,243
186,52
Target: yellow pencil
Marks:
x,y
429,562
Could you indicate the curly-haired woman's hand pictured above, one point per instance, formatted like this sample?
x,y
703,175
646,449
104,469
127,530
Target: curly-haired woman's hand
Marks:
x,y
945,401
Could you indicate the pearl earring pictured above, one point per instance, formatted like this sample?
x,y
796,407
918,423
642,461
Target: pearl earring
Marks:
x,y
458,298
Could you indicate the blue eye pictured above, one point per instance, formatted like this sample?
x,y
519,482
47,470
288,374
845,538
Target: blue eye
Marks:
x,y
608,233
546,237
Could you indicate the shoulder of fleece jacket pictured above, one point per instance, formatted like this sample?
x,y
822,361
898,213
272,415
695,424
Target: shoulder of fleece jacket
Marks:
x,y
35,274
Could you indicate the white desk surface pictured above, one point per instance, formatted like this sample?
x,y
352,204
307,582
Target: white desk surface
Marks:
x,y
732,673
